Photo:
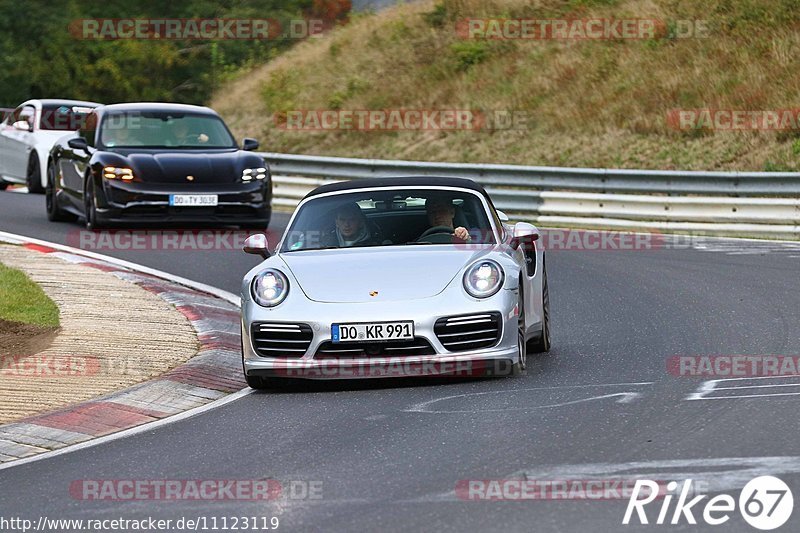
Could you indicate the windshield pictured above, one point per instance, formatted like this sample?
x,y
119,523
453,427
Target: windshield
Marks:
x,y
387,218
63,117
164,130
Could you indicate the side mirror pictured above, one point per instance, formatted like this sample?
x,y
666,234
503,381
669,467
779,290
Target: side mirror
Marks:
x,y
22,125
78,143
502,216
523,232
257,244
249,144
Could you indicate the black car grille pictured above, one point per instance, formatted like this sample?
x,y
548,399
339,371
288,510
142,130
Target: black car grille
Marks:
x,y
276,339
352,350
468,332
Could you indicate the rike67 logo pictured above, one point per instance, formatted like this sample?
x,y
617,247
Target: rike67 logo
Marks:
x,y
765,503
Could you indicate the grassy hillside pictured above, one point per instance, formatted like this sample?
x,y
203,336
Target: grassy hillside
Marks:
x,y
591,103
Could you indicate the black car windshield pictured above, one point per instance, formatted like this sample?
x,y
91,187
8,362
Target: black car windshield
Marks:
x,y
389,217
164,130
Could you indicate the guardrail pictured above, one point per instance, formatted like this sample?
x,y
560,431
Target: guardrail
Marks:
x,y
746,204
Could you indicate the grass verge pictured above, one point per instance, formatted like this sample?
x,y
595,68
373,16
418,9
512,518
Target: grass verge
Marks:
x,y
23,301
589,103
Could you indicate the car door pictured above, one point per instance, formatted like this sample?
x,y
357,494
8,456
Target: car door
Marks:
x,y
74,162
7,114
19,142
7,132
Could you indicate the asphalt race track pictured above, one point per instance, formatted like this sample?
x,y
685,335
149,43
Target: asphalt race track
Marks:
x,y
389,455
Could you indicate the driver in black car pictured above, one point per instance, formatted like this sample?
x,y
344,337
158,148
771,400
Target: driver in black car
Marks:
x,y
441,212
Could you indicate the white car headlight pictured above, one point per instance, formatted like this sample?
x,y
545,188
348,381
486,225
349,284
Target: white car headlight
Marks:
x,y
250,174
270,287
483,279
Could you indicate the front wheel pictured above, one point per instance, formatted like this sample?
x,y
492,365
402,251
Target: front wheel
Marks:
x,y
90,207
3,185
34,176
518,368
542,343
54,212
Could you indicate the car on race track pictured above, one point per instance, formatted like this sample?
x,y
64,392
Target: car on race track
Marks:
x,y
29,132
139,163
417,274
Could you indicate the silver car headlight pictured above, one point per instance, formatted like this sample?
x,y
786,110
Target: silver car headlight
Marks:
x,y
483,279
270,287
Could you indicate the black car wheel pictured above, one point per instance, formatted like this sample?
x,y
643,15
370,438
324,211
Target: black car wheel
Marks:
x,y
3,185
54,212
90,209
34,176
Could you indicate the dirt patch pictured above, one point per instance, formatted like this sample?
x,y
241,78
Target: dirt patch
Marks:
x,y
17,339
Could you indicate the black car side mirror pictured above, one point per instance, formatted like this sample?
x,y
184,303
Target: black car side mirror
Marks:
x,y
78,143
249,144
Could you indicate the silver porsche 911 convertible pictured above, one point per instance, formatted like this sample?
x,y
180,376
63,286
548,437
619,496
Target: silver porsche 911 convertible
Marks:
x,y
412,276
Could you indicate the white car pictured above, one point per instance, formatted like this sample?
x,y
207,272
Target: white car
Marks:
x,y
28,133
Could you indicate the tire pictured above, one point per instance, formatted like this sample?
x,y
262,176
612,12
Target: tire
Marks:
x,y
34,176
542,343
90,210
54,212
3,185
518,368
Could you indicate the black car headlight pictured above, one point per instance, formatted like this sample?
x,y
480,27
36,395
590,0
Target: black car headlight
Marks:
x,y
114,173
483,279
250,174
270,287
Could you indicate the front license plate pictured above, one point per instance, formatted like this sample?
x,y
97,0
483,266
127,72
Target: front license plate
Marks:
x,y
370,332
190,200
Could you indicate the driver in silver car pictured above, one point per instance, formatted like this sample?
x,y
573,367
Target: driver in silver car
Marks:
x,y
351,229
441,212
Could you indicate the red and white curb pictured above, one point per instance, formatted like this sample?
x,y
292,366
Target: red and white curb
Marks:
x,y
211,375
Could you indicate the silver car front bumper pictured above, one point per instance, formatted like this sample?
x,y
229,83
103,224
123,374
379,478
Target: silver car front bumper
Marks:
x,y
494,360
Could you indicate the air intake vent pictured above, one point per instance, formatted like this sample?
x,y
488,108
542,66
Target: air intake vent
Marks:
x,y
351,350
468,332
274,339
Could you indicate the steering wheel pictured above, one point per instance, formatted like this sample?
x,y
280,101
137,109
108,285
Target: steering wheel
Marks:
x,y
437,230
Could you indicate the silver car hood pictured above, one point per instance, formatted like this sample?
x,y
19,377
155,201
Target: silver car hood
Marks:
x,y
348,276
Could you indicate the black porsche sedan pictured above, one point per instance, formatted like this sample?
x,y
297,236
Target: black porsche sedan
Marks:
x,y
141,163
